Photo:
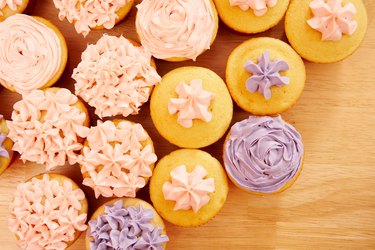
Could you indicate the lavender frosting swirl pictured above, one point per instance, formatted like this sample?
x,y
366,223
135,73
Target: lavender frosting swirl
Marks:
x,y
262,154
125,229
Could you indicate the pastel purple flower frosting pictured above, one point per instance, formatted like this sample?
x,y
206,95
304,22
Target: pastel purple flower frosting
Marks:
x,y
125,229
265,74
3,152
262,154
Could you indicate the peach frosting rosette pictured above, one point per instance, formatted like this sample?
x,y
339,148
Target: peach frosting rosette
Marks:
x,y
47,127
118,158
115,76
47,213
175,29
259,7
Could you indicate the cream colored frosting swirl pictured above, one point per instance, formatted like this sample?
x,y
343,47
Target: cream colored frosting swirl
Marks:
x,y
30,53
11,4
259,7
170,28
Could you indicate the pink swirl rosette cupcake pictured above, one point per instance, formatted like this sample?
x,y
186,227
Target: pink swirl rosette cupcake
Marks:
x,y
176,30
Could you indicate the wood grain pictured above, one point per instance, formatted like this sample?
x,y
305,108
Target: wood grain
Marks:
x,y
331,205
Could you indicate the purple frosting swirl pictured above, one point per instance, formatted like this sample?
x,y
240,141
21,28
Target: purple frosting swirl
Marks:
x,y
262,154
266,74
125,229
3,152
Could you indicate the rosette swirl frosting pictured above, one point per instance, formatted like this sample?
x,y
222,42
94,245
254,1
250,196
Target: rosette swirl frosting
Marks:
x,y
259,7
11,4
332,19
262,154
125,228
30,53
170,28
46,214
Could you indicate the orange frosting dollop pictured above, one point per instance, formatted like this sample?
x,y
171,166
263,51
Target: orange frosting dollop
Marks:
x,y
45,214
115,160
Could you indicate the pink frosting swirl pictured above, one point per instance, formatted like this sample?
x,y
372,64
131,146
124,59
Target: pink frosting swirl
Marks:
x,y
169,28
30,53
192,103
115,162
89,14
46,128
259,7
332,19
115,76
11,4
46,214
189,190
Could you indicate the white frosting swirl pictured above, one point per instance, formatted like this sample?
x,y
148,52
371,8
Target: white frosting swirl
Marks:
x,y
170,28
30,53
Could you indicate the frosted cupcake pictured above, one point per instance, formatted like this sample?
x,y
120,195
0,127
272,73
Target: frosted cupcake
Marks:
x,y
6,153
48,212
11,7
326,31
48,127
93,14
263,155
117,159
126,224
116,76
176,30
33,53
251,16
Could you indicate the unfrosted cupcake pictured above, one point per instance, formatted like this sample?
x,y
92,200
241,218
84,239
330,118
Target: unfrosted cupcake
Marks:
x,y
48,127
33,53
48,212
263,155
11,7
326,31
191,107
126,224
177,30
117,159
265,76
6,144
188,187
251,16
93,14
115,76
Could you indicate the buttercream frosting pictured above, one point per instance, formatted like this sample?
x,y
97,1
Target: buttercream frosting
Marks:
x,y
265,74
262,154
45,214
192,103
11,4
125,228
30,53
115,76
259,7
46,128
3,152
115,162
169,28
189,190
88,14
333,19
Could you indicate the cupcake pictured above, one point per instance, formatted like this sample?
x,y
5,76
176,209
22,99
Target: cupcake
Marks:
x,y
117,159
191,107
263,155
94,14
48,212
176,30
265,76
188,187
11,7
251,16
326,31
33,54
115,76
6,145
126,224
48,127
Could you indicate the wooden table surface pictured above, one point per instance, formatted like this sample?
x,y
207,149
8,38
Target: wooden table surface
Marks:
x,y
331,205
